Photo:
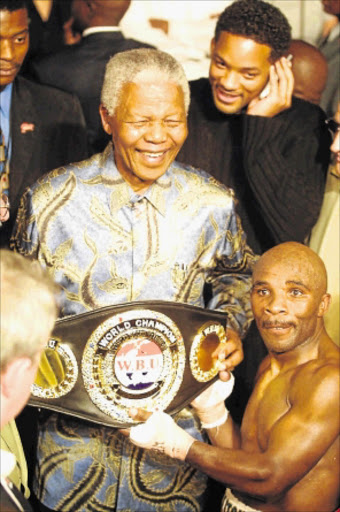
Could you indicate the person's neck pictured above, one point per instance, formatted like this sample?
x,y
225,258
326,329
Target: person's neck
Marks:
x,y
4,416
103,22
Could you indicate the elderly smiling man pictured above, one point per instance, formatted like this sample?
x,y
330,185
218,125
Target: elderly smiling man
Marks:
x,y
132,224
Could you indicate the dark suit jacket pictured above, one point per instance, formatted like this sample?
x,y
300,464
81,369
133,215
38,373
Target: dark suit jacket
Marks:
x,y
331,95
80,69
47,131
45,36
7,503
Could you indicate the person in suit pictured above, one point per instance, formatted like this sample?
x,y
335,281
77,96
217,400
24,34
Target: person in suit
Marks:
x,y
80,68
41,127
329,45
325,238
46,28
28,312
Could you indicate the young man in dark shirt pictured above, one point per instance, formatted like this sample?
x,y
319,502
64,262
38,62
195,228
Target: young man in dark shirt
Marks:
x,y
247,129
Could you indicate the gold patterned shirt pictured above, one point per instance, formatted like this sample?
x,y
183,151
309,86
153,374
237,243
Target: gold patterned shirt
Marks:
x,y
105,244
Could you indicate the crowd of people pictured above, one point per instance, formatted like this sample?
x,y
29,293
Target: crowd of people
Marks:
x,y
122,181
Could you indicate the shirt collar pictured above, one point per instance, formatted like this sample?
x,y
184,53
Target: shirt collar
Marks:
x,y
5,100
96,30
7,462
123,195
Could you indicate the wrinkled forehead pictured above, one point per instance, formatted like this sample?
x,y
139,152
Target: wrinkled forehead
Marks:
x,y
280,267
150,93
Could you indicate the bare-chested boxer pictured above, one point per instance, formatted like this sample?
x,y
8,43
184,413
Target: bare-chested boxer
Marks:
x,y
285,458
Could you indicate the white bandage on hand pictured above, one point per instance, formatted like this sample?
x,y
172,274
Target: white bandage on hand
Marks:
x,y
161,433
210,406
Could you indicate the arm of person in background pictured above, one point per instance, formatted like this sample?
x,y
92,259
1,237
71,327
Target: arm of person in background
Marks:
x,y
286,156
70,35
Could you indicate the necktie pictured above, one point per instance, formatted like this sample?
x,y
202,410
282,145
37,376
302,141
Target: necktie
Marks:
x,y
4,166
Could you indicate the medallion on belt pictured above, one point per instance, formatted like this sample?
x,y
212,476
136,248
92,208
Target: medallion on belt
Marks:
x,y
57,372
133,359
203,366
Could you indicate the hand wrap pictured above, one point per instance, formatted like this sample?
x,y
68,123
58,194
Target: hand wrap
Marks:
x,y
210,406
161,433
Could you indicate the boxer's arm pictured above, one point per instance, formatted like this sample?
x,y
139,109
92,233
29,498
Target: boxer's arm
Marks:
x,y
294,445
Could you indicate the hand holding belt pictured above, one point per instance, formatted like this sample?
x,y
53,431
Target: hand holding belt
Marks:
x,y
155,355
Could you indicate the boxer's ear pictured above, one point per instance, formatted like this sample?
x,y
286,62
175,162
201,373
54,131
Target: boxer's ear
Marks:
x,y
9,377
324,304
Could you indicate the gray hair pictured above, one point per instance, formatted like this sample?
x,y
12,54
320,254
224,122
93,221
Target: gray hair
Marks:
x,y
141,65
28,307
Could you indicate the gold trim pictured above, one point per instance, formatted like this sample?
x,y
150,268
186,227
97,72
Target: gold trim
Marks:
x,y
57,372
202,365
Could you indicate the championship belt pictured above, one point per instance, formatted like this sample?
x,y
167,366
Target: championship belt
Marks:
x,y
150,354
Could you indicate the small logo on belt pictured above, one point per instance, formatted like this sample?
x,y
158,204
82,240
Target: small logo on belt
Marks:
x,y
138,364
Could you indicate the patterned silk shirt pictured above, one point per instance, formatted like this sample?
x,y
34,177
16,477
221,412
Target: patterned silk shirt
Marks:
x,y
105,244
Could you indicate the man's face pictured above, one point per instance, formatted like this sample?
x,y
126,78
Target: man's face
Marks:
x,y
14,42
331,6
148,129
335,147
287,302
239,70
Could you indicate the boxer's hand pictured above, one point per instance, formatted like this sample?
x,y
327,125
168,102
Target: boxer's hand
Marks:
x,y
229,354
160,433
210,406
281,83
215,394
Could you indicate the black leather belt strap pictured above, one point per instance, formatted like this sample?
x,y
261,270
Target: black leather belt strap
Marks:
x,y
150,354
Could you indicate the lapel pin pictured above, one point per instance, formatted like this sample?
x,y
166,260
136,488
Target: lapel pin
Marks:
x,y
27,127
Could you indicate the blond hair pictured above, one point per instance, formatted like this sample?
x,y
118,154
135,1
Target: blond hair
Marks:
x,y
141,65
28,307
